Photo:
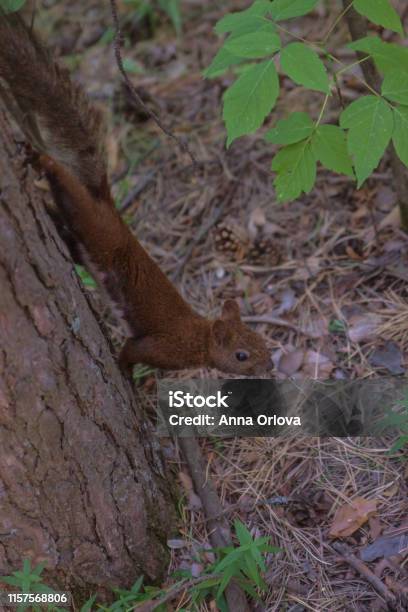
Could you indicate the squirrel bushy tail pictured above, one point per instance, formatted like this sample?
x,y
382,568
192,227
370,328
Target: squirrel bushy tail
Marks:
x,y
72,129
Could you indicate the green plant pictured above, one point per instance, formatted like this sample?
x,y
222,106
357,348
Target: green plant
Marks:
x,y
147,8
243,564
397,420
127,599
141,371
11,6
172,10
356,145
85,277
28,580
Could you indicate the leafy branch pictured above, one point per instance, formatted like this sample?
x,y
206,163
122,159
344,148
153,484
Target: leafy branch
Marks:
x,y
365,127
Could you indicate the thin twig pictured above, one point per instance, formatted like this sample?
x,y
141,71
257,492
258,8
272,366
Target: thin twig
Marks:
x,y
219,530
278,322
364,571
117,44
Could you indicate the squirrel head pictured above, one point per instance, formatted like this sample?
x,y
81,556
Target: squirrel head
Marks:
x,y
234,347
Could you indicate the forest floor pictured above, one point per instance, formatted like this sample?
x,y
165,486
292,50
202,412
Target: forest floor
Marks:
x,y
332,266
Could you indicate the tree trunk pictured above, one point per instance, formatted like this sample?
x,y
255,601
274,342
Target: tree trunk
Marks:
x,y
82,484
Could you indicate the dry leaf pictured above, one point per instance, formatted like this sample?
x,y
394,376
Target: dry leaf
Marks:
x,y
375,527
385,198
196,570
387,546
392,490
287,303
316,365
363,327
290,362
256,220
352,516
388,357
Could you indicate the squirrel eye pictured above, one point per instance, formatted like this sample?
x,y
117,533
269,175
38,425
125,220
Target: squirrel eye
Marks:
x,y
241,355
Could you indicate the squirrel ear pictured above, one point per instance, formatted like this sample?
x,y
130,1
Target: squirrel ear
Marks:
x,y
220,331
230,311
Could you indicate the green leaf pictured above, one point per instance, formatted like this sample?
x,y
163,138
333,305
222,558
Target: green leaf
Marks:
x,y
222,604
137,585
85,277
400,135
303,65
11,6
38,569
256,555
270,549
370,123
296,170
288,9
221,62
211,582
296,127
399,444
41,588
172,8
387,56
253,23
251,570
130,65
231,21
256,44
12,580
229,573
243,534
380,12
224,59
250,99
246,585
395,86
87,607
330,148
233,557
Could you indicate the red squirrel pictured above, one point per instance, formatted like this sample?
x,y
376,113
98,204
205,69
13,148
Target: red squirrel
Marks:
x,y
164,331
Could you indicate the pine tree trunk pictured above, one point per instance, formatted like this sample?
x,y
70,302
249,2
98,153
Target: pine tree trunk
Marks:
x,y
82,485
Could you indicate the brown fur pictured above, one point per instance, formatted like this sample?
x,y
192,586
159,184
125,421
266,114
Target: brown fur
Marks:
x,y
165,331
71,127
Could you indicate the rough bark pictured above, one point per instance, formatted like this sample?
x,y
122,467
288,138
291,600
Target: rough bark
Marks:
x,y
82,485
357,26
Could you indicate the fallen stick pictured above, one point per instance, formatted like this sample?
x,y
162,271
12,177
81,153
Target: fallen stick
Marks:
x,y
219,529
362,569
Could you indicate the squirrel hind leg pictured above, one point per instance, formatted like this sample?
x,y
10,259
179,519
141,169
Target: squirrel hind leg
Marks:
x,y
149,350
61,176
134,351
